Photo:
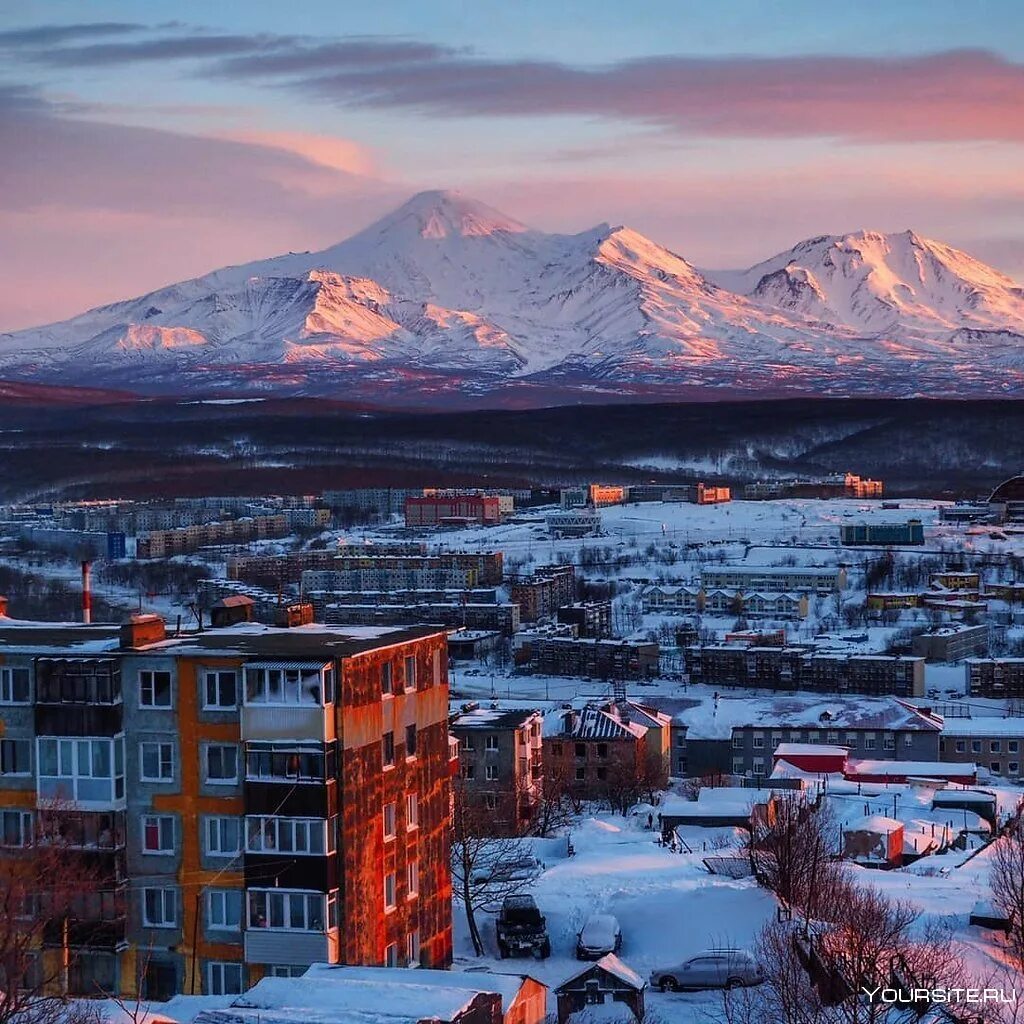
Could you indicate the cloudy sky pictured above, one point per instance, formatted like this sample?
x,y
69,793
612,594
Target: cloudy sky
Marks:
x,y
146,142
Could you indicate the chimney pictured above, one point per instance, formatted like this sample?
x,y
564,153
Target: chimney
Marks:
x,y
143,630
87,592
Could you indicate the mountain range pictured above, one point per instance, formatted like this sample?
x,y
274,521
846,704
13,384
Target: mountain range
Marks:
x,y
446,302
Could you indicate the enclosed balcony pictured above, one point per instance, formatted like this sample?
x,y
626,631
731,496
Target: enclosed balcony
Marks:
x,y
291,926
78,697
94,920
289,700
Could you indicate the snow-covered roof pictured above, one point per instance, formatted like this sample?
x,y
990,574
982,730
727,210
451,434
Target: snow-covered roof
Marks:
x,y
920,769
873,823
614,966
988,726
784,749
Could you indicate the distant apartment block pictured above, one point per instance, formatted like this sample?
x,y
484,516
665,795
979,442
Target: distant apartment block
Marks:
x,y
909,533
449,615
990,742
598,659
591,618
995,677
774,578
541,595
441,510
952,643
797,668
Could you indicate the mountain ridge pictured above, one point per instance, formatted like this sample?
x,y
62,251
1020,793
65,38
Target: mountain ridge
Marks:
x,y
450,290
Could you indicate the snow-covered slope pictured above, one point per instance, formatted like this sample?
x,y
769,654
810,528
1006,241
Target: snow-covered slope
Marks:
x,y
877,283
449,289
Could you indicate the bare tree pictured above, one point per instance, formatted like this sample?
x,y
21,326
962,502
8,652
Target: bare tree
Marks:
x,y
555,805
1007,881
44,885
485,868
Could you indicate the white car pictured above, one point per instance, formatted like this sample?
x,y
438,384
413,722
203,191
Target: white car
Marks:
x,y
714,968
599,936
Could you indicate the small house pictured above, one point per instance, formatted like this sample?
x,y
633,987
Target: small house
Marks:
x,y
603,983
874,841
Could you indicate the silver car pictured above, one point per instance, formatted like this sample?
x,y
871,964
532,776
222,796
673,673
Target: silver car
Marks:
x,y
714,968
600,935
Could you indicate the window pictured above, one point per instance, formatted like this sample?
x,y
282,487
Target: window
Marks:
x,y
975,746
410,672
295,836
436,667
391,955
602,774
581,750
412,810
889,741
869,741
492,742
759,766
224,909
156,762
289,760
387,685
412,878
15,828
292,909
1013,746
410,741
738,766
389,891
961,746
284,686
223,836
160,908
15,757
222,764
851,739
81,770
490,801
467,743
157,833
155,689
812,735
995,747
390,829
758,740
387,744
469,771
994,767
602,750
286,971
412,948
556,749
14,686
1013,768
794,734
491,772
737,741
224,979
220,692
581,774
908,739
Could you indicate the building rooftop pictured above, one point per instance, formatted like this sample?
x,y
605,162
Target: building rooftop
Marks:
x,y
492,718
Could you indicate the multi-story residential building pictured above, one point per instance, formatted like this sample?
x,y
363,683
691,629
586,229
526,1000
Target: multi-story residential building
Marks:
x,y
591,618
992,743
910,532
486,566
774,578
436,510
272,798
890,730
952,643
542,594
452,615
598,659
995,677
800,668
501,765
955,580
381,501
599,747
891,600
671,599
379,577
837,486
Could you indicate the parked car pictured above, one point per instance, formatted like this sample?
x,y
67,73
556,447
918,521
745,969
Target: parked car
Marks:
x,y
600,935
714,968
518,869
521,928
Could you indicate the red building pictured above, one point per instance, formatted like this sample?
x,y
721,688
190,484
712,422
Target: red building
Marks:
x,y
434,510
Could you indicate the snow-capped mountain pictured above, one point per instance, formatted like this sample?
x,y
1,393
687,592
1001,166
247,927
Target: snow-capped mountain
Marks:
x,y
446,295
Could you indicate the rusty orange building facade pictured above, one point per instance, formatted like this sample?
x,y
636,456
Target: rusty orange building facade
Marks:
x,y
259,799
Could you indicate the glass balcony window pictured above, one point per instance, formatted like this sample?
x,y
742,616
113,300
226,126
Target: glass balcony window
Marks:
x,y
83,770
292,910
289,687
297,836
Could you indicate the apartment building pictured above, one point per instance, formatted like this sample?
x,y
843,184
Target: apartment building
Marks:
x,y
451,615
437,510
801,668
671,599
910,532
541,595
991,743
264,798
596,659
591,618
995,677
599,747
501,765
379,577
889,731
774,578
952,643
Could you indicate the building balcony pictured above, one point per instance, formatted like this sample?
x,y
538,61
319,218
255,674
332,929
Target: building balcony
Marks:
x,y
271,722
294,948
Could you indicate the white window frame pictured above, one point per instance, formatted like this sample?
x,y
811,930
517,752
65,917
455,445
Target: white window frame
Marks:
x,y
147,677
412,948
491,772
7,677
169,744
160,821
217,907
391,954
214,827
412,878
25,827
217,978
70,775
15,742
290,692
412,811
168,907
213,676
390,892
491,743
389,821
410,680
292,837
324,906
217,780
